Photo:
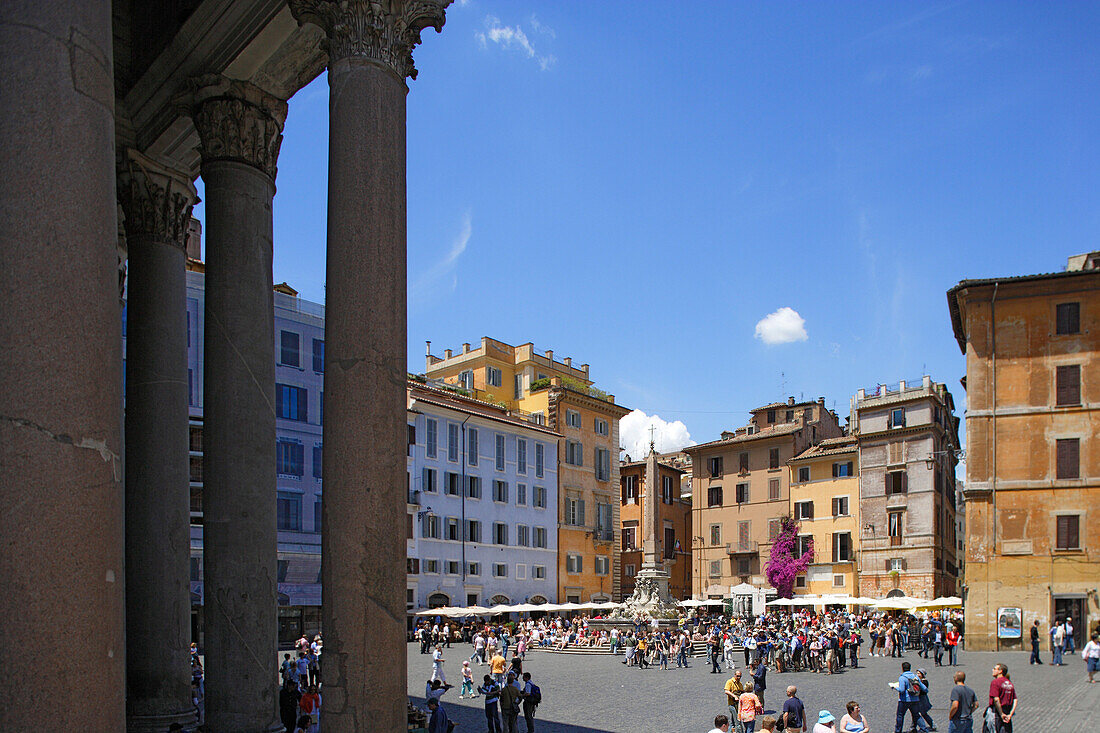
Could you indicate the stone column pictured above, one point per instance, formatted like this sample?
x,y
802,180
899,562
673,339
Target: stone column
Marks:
x,y
240,129
363,546
60,364
156,203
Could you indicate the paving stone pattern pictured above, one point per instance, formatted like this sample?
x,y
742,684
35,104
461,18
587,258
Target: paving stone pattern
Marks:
x,y
590,694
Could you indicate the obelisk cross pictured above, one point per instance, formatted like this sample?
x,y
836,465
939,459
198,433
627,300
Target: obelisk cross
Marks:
x,y
652,430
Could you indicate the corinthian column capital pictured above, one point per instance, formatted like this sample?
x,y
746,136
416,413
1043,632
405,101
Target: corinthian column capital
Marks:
x,y
383,31
156,200
236,121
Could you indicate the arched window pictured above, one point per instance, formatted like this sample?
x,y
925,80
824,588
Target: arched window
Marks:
x,y
896,593
537,600
438,600
499,599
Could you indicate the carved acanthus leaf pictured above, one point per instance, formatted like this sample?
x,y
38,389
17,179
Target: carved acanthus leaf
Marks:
x,y
156,200
236,121
385,31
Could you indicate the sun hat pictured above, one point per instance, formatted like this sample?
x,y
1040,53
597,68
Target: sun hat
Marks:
x,y
825,717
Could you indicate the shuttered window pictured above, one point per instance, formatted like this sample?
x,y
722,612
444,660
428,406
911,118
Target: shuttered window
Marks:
x,y
896,482
1067,383
1068,533
773,458
1068,317
1068,452
743,462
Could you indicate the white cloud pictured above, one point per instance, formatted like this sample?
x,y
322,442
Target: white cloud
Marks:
x,y
784,326
514,37
439,272
667,437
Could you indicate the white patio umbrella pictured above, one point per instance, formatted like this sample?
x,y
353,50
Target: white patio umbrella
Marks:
x,y
691,603
780,602
550,607
944,602
571,606
606,605
501,608
714,602
863,601
527,608
476,610
441,611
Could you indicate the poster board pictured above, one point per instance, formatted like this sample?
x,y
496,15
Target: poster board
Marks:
x,y
1009,623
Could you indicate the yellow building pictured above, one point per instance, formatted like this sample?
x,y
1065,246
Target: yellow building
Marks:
x,y
1033,459
825,502
561,396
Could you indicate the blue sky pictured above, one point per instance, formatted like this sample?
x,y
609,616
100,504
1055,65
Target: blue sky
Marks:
x,y
638,184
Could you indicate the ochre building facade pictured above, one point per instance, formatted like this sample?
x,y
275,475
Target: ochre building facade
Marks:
x,y
1033,460
741,491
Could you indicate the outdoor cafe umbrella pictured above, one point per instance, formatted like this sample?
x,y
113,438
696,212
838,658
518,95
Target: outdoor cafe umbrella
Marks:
x,y
944,602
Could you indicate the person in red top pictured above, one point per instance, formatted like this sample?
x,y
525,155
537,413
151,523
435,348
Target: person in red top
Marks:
x,y
310,705
952,638
1002,698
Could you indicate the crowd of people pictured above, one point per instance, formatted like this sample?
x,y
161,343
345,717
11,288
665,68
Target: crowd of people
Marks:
x,y
300,694
822,643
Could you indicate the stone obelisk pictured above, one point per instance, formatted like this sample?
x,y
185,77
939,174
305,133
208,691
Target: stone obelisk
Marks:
x,y
650,596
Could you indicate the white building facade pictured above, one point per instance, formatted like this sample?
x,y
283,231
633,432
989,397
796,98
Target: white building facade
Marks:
x,y
483,497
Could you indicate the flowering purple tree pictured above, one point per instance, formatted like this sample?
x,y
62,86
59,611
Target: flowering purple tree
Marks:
x,y
785,563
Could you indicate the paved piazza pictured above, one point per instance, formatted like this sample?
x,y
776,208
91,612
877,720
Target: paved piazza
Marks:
x,y
586,694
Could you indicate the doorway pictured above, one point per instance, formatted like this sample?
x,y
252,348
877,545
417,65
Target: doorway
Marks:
x,y
1075,609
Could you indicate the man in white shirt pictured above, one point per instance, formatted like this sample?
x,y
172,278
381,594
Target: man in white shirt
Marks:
x,y
437,665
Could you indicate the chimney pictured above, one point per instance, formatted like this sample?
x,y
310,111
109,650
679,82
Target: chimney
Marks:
x,y
465,348
584,368
549,355
429,343
790,400
568,361
821,401
447,353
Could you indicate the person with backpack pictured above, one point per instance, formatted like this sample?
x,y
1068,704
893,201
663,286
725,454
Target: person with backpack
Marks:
x,y
510,696
491,691
909,689
532,697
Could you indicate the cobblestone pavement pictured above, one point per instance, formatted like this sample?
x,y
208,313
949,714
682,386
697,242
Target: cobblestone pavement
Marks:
x,y
587,694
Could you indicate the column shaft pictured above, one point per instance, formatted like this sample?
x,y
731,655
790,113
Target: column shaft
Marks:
x,y
60,406
158,604
239,539
362,550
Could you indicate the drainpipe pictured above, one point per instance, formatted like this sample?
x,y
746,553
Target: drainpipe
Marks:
x,y
462,488
993,366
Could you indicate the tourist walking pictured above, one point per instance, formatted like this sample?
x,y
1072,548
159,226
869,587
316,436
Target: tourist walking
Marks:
x,y
853,721
854,642
909,690
1002,698
532,696
1035,644
510,697
1091,655
1070,643
437,664
760,680
491,691
794,712
923,703
496,668
715,655
310,705
289,696
467,680
953,637
964,701
1057,642
733,689
438,722
748,707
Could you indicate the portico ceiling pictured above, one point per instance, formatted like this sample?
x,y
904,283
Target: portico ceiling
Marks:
x,y
258,41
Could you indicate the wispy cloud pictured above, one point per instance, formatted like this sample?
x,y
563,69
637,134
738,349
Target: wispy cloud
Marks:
x,y
444,269
921,72
513,37
784,326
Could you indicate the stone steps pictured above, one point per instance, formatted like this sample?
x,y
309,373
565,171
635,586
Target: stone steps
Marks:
x,y
698,649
